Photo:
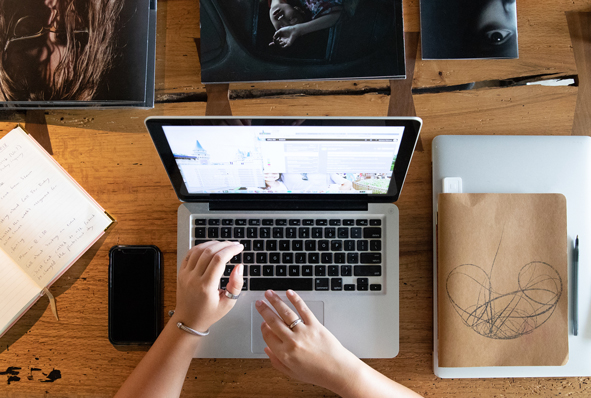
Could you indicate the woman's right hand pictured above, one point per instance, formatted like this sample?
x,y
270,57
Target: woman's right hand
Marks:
x,y
308,352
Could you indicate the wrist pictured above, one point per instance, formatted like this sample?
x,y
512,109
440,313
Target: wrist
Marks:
x,y
346,375
190,322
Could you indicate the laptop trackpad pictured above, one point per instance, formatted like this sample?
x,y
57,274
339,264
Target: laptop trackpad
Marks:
x,y
258,344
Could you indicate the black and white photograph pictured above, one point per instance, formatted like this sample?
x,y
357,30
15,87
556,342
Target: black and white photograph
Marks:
x,y
267,40
468,29
75,53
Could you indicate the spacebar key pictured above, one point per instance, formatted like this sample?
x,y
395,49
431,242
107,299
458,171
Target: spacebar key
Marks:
x,y
297,284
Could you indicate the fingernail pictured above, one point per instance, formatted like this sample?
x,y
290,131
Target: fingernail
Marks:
x,y
259,303
290,292
240,269
269,292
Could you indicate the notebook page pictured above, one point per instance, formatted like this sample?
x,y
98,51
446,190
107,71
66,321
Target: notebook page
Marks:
x,y
46,222
17,291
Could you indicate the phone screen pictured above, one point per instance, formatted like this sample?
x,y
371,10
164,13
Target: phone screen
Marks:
x,y
134,294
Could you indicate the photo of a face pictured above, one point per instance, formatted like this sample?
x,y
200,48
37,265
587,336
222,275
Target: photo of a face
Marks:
x,y
68,50
469,29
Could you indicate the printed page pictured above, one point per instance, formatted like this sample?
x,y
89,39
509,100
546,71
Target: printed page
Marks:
x,y
17,291
46,222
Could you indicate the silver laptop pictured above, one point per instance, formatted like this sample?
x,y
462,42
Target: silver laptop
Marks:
x,y
311,200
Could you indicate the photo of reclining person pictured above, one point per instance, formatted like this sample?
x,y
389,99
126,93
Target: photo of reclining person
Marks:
x,y
295,18
68,50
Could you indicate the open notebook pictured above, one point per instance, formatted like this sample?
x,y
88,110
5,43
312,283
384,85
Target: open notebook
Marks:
x,y
47,221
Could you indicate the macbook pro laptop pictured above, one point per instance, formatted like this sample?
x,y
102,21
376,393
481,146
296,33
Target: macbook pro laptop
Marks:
x,y
311,201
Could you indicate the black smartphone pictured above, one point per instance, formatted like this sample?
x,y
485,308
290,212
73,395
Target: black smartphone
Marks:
x,y
135,303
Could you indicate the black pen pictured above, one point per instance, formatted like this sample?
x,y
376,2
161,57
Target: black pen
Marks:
x,y
576,287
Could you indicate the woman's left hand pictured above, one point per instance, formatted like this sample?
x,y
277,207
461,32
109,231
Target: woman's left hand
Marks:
x,y
286,36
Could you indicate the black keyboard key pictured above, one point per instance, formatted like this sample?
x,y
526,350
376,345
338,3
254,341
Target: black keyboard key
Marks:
x,y
375,245
255,270
287,258
371,258
308,222
248,258
333,270
336,245
372,233
251,232
224,282
368,270
254,222
343,233
282,284
362,284
339,258
284,245
271,245
334,222
349,222
297,245
275,258
362,223
330,232
278,233
198,242
226,232
239,232
317,233
375,287
313,258
245,271
326,258
307,270
321,283
241,222
281,222
200,221
262,258
355,233
244,284
200,232
228,270
303,232
267,221
265,232
213,221
247,245
281,270
322,222
310,245
349,245
294,270
258,245
362,288
336,284
320,270
237,259
362,245
213,232
295,222
227,222
323,245
352,258
349,287
346,270
300,258
291,232
375,222
268,270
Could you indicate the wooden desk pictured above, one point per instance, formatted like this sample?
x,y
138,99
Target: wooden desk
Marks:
x,y
110,154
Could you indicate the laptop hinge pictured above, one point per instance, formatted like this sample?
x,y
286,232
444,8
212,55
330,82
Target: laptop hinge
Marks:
x,y
312,205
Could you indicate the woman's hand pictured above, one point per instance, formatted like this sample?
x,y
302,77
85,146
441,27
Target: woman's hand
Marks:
x,y
199,302
286,36
307,352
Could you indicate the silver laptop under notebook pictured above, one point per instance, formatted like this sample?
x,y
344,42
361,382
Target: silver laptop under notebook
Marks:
x,y
311,200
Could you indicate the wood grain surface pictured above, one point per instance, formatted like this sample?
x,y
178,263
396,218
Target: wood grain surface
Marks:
x,y
111,155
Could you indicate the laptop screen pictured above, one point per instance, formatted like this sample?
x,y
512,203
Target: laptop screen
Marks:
x,y
285,159
365,157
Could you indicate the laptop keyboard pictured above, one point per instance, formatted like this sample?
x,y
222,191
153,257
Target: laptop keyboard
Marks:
x,y
337,254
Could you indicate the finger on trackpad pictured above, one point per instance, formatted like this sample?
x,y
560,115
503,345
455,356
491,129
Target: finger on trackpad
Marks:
x,y
257,342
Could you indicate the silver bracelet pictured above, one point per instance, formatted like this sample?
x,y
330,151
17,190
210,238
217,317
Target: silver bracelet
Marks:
x,y
191,331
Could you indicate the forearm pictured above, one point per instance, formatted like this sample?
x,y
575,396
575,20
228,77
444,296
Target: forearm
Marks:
x,y
364,381
325,21
163,369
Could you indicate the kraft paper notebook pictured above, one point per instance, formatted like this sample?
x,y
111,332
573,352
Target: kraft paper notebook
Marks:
x,y
502,281
47,222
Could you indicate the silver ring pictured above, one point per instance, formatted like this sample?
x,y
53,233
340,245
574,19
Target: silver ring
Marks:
x,y
231,296
294,323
